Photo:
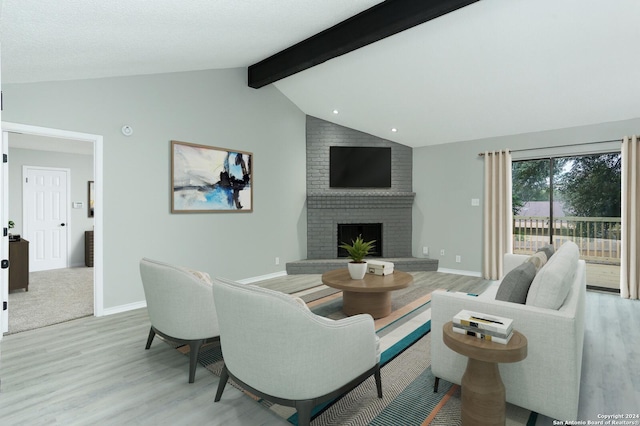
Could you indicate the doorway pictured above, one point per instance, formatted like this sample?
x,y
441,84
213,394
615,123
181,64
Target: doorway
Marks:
x,y
62,137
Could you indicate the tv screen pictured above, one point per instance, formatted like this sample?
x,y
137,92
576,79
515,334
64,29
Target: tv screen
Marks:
x,y
359,167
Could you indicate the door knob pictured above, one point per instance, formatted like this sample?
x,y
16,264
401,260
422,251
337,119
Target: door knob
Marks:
x,y
62,224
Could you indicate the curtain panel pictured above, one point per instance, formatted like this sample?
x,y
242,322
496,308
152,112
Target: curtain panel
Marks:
x,y
630,254
498,216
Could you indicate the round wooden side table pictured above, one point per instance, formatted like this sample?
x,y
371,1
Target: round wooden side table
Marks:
x,y
483,396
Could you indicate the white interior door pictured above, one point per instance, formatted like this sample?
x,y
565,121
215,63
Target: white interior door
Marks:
x,y
45,200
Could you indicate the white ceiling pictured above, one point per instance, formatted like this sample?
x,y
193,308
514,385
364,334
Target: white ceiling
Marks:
x,y
494,68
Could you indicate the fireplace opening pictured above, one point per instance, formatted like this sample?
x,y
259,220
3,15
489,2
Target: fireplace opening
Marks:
x,y
348,232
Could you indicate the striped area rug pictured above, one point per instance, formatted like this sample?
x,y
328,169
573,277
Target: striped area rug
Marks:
x,y
407,381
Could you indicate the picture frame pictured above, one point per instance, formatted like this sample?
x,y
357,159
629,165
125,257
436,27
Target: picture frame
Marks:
x,y
207,179
90,198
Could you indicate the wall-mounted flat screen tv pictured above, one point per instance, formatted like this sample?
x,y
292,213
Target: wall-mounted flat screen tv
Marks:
x,y
359,167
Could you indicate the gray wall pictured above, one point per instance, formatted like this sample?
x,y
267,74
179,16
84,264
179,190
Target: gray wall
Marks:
x,y
446,178
81,171
207,107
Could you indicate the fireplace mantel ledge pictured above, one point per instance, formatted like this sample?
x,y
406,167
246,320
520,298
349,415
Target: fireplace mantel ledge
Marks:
x,y
363,200
359,194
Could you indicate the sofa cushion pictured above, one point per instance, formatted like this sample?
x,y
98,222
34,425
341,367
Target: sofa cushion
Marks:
x,y
552,283
515,285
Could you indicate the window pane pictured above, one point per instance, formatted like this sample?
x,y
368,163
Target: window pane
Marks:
x,y
588,188
531,205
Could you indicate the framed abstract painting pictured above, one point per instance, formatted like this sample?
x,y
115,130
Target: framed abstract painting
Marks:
x,y
210,179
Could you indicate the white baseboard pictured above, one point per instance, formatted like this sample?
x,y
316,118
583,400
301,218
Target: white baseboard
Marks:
x,y
460,272
143,303
124,308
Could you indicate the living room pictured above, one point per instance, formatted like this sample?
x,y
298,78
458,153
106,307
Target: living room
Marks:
x,y
215,107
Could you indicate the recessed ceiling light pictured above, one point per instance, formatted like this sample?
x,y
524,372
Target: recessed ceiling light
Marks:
x,y
394,130
335,111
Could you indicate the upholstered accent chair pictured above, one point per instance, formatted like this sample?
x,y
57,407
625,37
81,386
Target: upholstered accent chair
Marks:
x,y
276,348
180,306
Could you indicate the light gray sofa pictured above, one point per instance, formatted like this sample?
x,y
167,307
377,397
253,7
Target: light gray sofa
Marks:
x,y
548,380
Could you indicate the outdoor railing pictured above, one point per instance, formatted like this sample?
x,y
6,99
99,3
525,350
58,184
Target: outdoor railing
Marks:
x,y
597,237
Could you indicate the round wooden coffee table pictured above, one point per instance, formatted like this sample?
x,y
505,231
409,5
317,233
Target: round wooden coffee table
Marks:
x,y
483,394
370,295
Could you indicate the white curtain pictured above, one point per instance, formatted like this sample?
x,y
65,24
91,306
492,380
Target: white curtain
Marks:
x,y
497,212
629,273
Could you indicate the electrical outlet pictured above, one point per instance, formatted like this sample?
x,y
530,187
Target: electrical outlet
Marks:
x,y
277,260
441,252
475,202
458,258
425,251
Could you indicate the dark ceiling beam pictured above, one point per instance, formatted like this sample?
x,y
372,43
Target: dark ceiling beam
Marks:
x,y
380,21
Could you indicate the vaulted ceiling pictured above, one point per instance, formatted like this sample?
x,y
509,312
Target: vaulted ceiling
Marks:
x,y
492,68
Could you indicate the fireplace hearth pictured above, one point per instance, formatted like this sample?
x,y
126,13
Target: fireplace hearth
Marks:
x,y
348,232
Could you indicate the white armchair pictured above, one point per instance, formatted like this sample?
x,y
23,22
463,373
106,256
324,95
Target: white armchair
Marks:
x,y
276,348
180,307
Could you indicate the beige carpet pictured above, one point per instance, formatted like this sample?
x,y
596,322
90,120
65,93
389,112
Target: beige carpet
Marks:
x,y
54,296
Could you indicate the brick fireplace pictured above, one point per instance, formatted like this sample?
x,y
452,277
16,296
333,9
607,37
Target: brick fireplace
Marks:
x,y
327,207
326,211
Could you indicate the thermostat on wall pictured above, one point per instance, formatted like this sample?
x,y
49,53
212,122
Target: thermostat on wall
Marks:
x,y
78,204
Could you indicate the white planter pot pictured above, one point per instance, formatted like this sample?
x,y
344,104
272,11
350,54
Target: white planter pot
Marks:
x,y
357,270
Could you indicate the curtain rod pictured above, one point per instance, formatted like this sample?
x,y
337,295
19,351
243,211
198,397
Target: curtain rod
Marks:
x,y
557,146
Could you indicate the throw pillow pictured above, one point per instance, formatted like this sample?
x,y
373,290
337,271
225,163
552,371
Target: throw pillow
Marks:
x,y
515,285
539,259
553,282
548,250
202,276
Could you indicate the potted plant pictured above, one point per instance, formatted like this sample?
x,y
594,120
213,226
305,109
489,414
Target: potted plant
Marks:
x,y
357,251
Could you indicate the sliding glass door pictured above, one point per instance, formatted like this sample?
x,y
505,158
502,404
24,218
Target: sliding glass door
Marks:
x,y
571,198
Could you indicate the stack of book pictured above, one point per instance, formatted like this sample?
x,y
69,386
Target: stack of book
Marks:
x,y
378,267
483,326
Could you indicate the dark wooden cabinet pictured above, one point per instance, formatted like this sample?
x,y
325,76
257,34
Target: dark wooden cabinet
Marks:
x,y
88,248
19,265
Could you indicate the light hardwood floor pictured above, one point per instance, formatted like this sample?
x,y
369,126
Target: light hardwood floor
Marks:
x,y
95,371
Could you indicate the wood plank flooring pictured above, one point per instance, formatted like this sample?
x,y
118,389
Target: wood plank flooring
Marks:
x,y
95,371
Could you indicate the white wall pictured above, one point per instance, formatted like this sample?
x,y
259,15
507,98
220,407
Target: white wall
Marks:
x,y
446,178
81,171
206,107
